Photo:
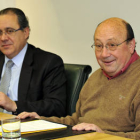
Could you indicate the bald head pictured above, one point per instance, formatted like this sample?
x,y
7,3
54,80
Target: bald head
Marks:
x,y
114,20
117,24
114,45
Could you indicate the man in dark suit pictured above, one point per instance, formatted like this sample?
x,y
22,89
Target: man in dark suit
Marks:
x,y
37,77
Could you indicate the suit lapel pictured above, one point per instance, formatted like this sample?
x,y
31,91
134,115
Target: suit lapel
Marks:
x,y
1,63
25,76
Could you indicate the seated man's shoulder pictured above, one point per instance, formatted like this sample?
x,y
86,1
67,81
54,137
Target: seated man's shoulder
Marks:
x,y
43,54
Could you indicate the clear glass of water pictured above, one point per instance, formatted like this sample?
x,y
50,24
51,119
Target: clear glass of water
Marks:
x,y
11,128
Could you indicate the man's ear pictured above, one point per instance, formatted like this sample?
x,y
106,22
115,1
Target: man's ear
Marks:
x,y
26,32
132,44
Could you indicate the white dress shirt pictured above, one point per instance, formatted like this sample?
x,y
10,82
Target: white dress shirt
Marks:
x,y
15,73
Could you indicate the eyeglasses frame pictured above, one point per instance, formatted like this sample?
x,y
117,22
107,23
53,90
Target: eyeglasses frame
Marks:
x,y
116,44
15,30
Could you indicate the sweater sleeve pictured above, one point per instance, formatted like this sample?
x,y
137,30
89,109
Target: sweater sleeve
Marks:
x,y
68,120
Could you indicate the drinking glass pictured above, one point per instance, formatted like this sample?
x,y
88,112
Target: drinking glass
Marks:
x,y
11,128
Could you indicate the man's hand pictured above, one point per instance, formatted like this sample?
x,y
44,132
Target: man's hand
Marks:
x,y
24,115
6,103
87,126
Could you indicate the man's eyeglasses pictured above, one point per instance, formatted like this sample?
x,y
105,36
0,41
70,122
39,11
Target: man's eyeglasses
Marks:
x,y
9,31
110,46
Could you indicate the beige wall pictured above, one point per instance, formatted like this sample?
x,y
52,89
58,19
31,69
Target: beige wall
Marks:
x,y
66,27
6,3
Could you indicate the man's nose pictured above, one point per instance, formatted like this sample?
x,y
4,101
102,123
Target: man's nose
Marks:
x,y
4,36
105,51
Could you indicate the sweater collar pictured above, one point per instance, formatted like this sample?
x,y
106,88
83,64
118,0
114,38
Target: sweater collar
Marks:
x,y
133,58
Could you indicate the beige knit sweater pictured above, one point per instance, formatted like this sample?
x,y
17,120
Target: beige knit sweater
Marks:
x,y
113,105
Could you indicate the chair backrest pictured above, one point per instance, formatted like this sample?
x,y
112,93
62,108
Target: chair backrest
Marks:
x,y
76,76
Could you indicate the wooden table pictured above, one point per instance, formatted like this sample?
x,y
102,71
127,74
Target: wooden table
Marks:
x,y
6,116
72,135
93,136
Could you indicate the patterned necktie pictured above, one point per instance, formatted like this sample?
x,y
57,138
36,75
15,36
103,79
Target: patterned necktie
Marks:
x,y
5,81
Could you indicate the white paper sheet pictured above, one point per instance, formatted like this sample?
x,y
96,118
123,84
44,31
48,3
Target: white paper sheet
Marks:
x,y
39,125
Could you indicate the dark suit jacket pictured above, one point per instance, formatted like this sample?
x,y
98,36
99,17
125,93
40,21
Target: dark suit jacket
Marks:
x,y
42,83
